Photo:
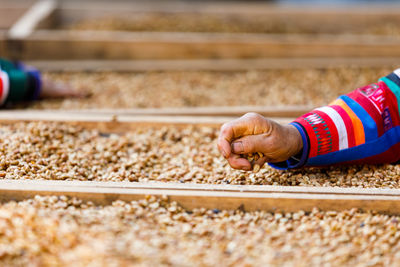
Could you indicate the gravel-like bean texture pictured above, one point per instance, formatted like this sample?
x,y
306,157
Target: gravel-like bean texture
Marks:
x,y
181,22
191,88
57,151
57,231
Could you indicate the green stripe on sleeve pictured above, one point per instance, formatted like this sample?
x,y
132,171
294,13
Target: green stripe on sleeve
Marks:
x,y
394,88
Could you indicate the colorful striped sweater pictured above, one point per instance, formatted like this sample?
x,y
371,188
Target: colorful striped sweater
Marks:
x,y
362,127
18,82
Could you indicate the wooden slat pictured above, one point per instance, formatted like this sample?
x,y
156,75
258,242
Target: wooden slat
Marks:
x,y
226,7
291,111
112,122
213,64
60,45
31,19
249,198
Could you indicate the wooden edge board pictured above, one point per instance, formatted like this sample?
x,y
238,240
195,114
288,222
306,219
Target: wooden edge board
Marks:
x,y
61,45
210,37
291,111
192,198
229,7
29,21
115,123
212,64
154,185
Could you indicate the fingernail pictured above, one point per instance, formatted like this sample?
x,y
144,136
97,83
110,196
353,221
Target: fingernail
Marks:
x,y
246,168
237,147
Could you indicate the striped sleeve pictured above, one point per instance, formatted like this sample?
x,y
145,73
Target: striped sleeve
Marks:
x,y
19,82
362,127
4,86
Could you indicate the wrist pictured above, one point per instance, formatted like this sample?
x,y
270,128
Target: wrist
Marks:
x,y
294,140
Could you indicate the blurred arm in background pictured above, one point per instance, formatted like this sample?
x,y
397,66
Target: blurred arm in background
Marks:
x,y
19,82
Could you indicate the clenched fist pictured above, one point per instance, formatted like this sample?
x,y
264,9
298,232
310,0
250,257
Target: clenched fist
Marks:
x,y
254,133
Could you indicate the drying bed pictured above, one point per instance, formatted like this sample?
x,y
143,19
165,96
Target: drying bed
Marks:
x,y
264,32
383,24
203,88
187,154
49,231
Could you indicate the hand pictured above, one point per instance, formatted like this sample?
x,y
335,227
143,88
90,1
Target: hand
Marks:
x,y
52,89
253,133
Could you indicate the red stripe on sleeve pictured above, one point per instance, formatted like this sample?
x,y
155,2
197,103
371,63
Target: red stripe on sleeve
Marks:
x,y
334,136
1,86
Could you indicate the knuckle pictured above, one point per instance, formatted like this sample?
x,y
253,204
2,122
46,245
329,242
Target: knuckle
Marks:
x,y
254,117
251,115
225,127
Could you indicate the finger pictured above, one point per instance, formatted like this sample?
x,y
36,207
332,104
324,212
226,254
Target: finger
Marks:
x,y
236,162
260,162
250,144
64,90
224,146
77,94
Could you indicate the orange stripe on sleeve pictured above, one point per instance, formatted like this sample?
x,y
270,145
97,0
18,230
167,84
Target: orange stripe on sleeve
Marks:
x,y
359,135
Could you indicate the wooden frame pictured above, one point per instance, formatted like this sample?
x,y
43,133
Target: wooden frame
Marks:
x,y
38,14
191,196
113,45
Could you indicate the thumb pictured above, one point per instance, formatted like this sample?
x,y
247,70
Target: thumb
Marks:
x,y
249,144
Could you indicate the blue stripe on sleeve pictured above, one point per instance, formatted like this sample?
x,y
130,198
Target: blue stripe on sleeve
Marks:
x,y
370,128
372,148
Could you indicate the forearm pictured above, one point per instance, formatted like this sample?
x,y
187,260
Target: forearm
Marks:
x,y
360,127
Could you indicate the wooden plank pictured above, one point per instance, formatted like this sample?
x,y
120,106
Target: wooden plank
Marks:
x,y
213,64
223,187
112,122
62,45
31,19
249,198
291,111
225,7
